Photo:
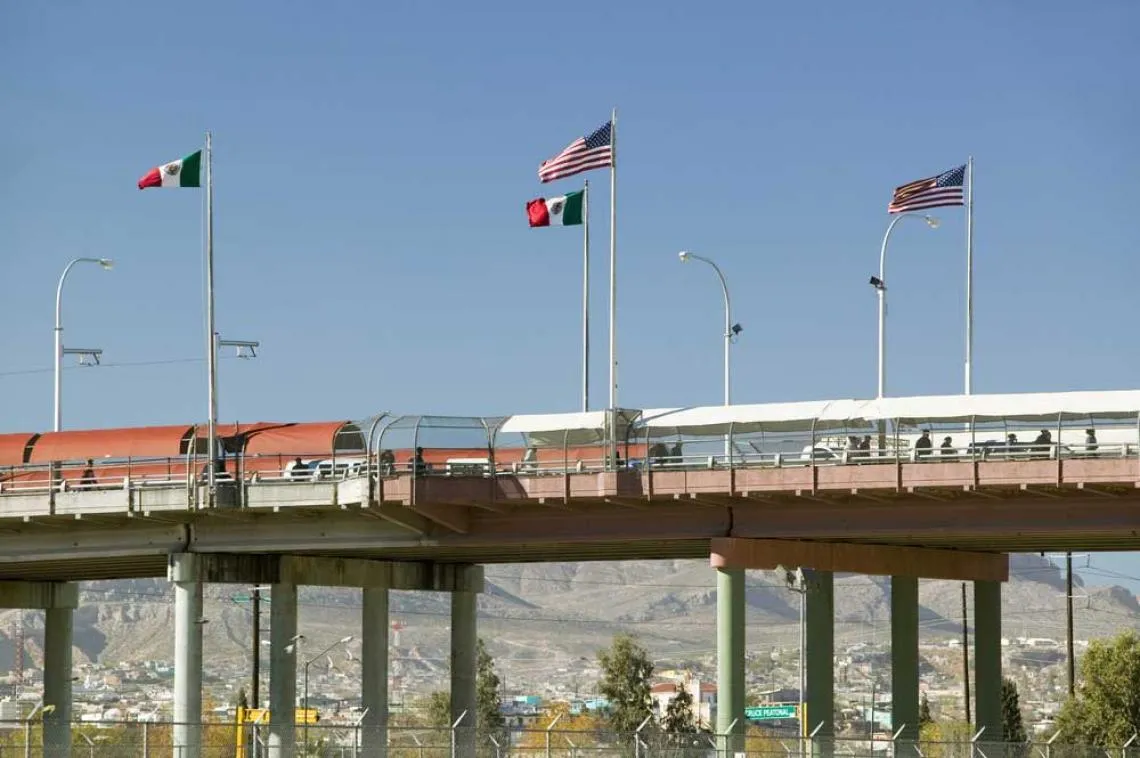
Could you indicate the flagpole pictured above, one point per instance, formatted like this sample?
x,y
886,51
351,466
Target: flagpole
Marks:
x,y
613,280
211,334
586,297
970,275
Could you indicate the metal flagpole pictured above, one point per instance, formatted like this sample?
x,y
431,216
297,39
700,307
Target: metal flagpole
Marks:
x,y
211,333
969,370
613,283
586,297
969,275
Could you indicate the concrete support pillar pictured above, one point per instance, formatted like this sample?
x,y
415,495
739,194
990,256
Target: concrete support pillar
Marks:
x,y
464,639
987,659
820,698
283,657
187,736
904,660
374,672
57,682
730,640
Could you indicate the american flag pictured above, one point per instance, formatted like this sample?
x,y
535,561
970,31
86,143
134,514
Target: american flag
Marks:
x,y
583,154
931,192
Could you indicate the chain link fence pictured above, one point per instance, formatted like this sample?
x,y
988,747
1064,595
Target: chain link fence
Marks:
x,y
346,740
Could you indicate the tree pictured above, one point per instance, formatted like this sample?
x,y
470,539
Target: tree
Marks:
x,y
679,714
626,670
242,701
924,716
941,739
439,710
1012,728
1105,710
488,696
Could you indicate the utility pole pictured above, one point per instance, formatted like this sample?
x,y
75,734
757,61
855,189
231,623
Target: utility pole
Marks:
x,y
255,602
1069,621
965,656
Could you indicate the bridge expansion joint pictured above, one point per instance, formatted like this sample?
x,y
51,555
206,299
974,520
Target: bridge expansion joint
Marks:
x,y
243,568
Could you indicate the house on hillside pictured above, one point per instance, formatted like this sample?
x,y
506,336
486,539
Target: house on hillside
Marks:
x,y
702,695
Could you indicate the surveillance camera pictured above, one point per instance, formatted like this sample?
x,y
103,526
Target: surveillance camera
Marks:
x,y
737,328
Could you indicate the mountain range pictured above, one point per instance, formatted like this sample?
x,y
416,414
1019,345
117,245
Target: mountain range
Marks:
x,y
541,620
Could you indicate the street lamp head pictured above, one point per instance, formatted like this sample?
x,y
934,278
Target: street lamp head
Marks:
x,y
107,263
684,256
931,221
346,639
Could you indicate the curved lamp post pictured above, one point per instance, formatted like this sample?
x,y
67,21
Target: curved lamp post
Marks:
x,y
305,696
107,265
879,283
730,329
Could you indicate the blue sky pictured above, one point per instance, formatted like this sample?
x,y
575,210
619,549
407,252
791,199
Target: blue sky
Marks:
x,y
372,161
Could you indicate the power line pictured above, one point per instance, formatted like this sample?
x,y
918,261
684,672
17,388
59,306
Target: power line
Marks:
x,y
113,364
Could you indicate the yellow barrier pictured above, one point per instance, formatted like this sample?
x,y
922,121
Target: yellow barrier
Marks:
x,y
261,716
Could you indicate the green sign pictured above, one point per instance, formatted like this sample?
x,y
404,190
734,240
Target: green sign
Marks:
x,y
770,712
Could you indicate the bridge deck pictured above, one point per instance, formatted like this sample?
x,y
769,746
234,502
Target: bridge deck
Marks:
x,y
1086,503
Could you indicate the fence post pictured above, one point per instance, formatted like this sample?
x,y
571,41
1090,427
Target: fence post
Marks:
x,y
894,739
726,740
454,726
356,735
1124,750
637,737
146,740
548,728
814,732
1048,751
974,744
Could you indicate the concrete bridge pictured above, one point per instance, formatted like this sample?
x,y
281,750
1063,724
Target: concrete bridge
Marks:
x,y
418,503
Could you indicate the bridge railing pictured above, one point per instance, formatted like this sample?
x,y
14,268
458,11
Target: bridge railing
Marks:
x,y
390,447
892,442
82,475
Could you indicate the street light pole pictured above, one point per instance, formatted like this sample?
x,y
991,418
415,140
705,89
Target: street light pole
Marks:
x,y
796,581
107,264
880,284
730,329
305,691
255,608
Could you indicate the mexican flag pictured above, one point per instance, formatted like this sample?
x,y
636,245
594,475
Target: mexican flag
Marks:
x,y
556,211
180,173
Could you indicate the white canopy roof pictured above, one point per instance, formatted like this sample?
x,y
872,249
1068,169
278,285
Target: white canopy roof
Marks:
x,y
1025,406
763,417
823,415
552,422
557,429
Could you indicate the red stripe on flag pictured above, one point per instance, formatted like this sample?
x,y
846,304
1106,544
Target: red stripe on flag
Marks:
x,y
537,212
152,179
